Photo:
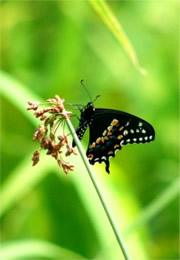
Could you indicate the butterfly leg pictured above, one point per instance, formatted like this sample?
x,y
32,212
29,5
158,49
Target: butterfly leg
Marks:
x,y
74,115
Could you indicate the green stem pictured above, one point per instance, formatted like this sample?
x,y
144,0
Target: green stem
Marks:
x,y
99,192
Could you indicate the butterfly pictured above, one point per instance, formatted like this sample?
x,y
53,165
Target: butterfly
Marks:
x,y
110,130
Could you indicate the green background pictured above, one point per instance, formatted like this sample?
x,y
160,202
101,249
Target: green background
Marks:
x,y
46,49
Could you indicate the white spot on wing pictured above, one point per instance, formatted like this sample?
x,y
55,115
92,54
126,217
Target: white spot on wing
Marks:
x,y
104,133
121,143
96,160
125,132
115,151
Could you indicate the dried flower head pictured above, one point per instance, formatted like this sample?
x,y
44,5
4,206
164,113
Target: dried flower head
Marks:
x,y
46,134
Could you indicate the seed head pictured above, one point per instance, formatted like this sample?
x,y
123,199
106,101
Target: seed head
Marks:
x,y
46,134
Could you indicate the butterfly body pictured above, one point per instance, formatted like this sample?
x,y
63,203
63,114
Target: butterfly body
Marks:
x,y
87,117
110,130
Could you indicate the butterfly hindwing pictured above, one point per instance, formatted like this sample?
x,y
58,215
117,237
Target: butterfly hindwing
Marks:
x,y
111,129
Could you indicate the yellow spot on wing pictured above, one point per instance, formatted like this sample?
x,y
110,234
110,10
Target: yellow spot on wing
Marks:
x,y
110,152
120,137
114,122
90,156
92,146
109,133
110,128
116,146
98,140
121,128
106,138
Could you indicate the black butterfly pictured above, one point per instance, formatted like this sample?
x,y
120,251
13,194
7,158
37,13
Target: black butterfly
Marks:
x,y
110,130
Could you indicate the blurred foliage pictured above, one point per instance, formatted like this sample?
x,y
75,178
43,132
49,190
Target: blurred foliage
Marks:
x,y
46,49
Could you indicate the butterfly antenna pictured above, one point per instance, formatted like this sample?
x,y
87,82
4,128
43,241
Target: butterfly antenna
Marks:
x,y
96,98
86,90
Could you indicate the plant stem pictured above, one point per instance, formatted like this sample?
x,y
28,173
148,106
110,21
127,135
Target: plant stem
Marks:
x,y
99,192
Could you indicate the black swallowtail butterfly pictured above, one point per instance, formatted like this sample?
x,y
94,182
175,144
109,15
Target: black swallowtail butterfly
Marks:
x,y
110,130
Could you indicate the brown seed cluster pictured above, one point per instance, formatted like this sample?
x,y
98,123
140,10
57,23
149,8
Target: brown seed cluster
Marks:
x,y
51,117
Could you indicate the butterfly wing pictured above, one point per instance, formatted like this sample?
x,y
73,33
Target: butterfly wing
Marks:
x,y
111,129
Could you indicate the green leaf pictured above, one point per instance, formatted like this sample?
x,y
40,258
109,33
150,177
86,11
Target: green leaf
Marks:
x,y
17,94
21,181
35,249
115,27
156,206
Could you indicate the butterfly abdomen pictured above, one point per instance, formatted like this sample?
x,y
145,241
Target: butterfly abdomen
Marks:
x,y
86,119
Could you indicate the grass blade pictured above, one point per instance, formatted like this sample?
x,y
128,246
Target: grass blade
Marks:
x,y
17,94
36,249
115,27
25,177
169,194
